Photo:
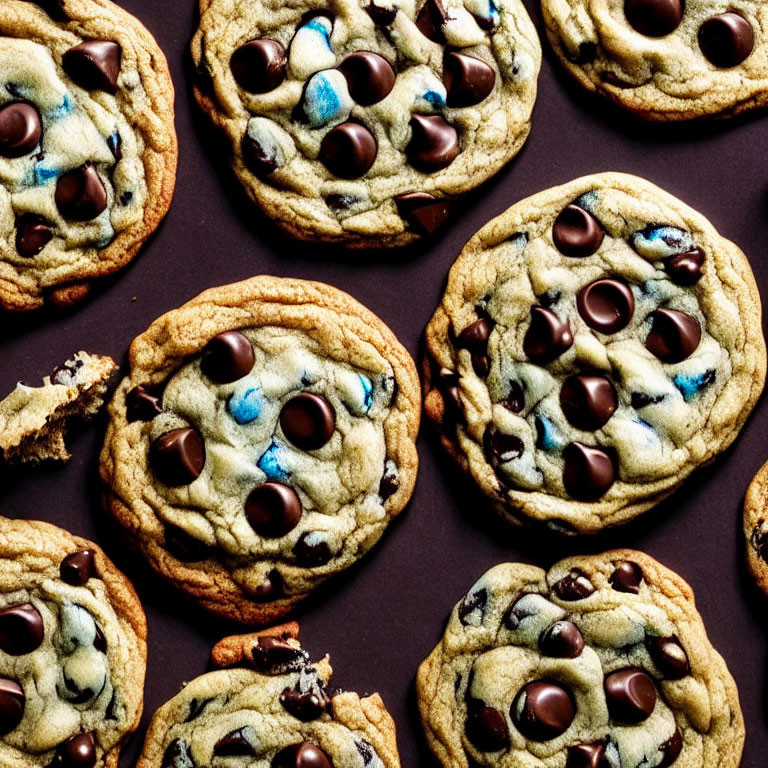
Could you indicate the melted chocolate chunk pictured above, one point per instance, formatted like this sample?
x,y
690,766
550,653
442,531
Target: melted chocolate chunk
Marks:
x,y
574,586
474,601
54,8
486,729
502,446
606,305
424,213
99,641
576,232
381,15
78,567
33,233
234,744
258,66
448,384
270,589
142,405
80,194
20,129
434,143
588,472
388,486
301,755
627,577
369,76
94,65
430,20
308,421
275,656
475,336
115,144
669,656
348,150
588,401
178,457
273,509
630,695
674,335
311,555
12,702
305,705
468,80
641,399
227,357
177,755
184,547
726,40
587,756
515,400
21,629
685,268
562,640
77,752
543,710
547,336
256,160
654,18
671,749
196,707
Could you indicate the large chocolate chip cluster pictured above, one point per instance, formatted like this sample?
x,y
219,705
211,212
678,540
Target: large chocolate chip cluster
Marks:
x,y
595,664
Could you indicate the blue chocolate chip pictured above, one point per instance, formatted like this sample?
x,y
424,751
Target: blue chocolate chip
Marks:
x,y
434,98
64,109
661,241
367,391
317,26
270,462
547,436
691,384
245,406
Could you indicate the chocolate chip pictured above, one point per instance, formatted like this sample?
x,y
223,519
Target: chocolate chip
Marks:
x,y
142,405
234,744
184,547
21,629
100,641
502,446
434,143
685,268
308,421
468,80
586,54
674,335
78,567
348,150
543,710
475,336
588,472
115,144
576,232
311,555
654,18
486,23
383,16
33,233
515,400
256,160
726,40
177,755
669,656
574,586
80,194
77,752
388,486
424,213
641,399
588,401
227,357
562,640
20,129
301,755
258,66
627,577
54,8
178,457
430,20
606,305
486,729
587,756
196,708
481,364
547,336
273,509
365,751
275,656
369,76
12,702
514,614
630,695
305,705
474,601
270,589
671,749
94,65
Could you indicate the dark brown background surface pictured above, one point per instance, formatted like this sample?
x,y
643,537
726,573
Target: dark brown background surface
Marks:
x,y
380,620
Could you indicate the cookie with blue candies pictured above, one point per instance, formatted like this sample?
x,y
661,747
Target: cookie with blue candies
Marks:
x,y
262,441
87,146
596,344
600,662
359,122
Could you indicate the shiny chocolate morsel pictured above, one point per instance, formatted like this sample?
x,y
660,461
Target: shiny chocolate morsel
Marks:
x,y
574,586
674,335
258,66
487,729
308,421
21,629
80,194
468,80
654,18
142,405
434,143
12,701
301,755
424,213
547,336
348,150
685,268
227,357
543,710
33,233
576,232
588,472
77,568
94,65
588,401
630,694
177,457
606,305
20,129
669,656
726,40
627,577
562,640
369,76
430,20
273,509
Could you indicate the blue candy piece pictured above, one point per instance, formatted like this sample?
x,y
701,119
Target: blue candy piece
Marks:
x,y
64,109
42,175
547,434
245,406
319,24
367,391
493,15
270,462
310,49
660,242
691,384
434,98
326,98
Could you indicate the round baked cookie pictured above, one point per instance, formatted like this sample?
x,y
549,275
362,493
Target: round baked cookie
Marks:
x,y
595,344
756,527
274,709
601,662
358,122
665,59
87,146
72,651
262,441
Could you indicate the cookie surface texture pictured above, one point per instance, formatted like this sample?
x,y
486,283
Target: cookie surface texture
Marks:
x,y
665,59
756,527
602,662
596,343
72,651
262,441
359,122
87,146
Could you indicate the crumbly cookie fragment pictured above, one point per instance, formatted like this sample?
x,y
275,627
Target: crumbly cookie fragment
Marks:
x,y
34,420
72,651
87,146
595,345
602,661
665,59
276,712
262,441
358,122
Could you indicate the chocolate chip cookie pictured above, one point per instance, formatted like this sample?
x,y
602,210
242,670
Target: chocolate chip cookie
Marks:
x,y
358,123
262,441
596,343
72,651
87,146
756,527
273,709
665,59
601,662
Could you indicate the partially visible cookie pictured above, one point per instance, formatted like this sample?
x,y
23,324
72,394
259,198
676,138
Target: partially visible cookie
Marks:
x,y
275,710
601,662
34,420
596,343
87,146
359,122
756,527
72,651
262,441
665,59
